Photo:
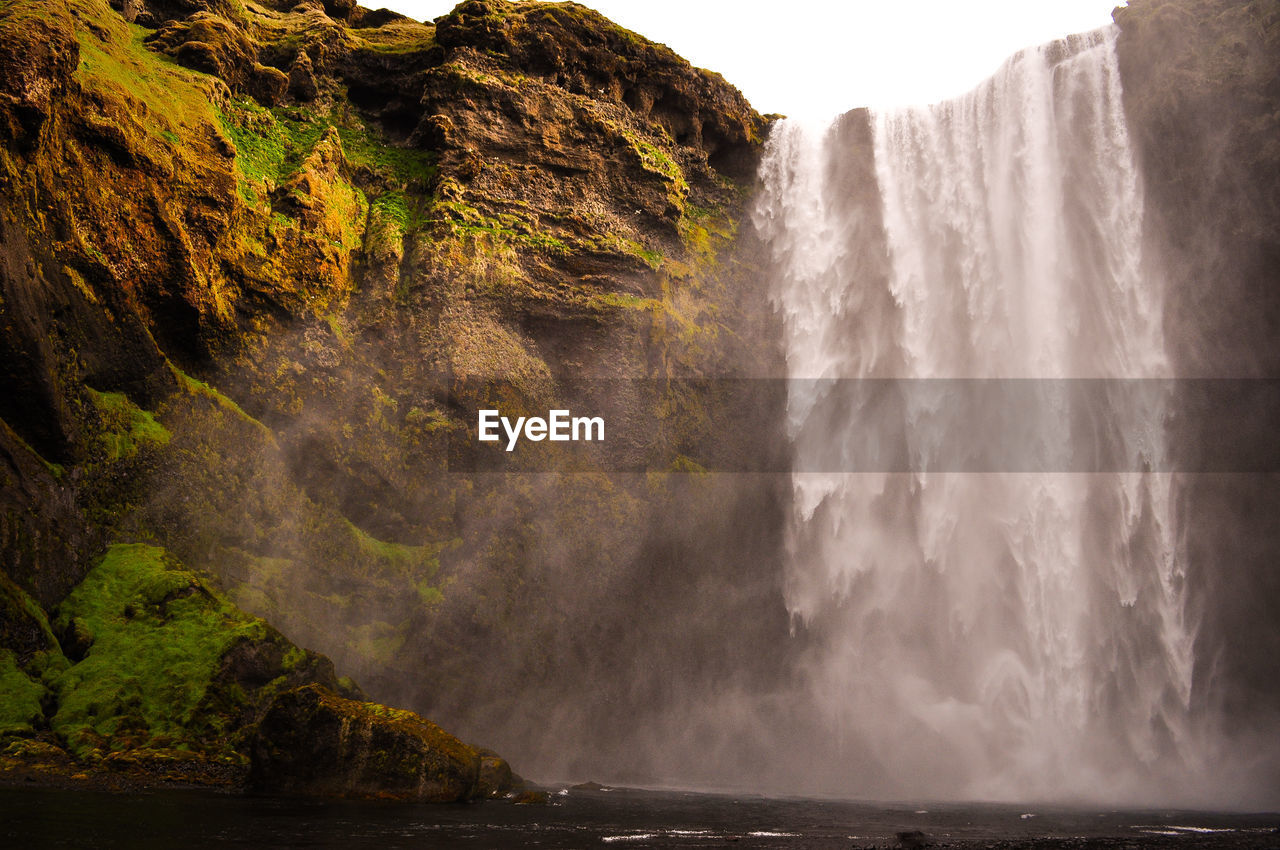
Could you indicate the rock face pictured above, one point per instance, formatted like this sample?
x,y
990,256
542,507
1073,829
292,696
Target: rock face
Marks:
x,y
311,740
1201,87
259,261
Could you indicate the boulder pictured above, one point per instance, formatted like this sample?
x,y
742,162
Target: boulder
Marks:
x,y
312,741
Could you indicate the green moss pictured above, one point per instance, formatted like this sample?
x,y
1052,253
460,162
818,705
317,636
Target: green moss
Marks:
x,y
200,388
19,698
653,259
655,160
127,426
18,610
339,330
55,469
428,593
397,558
159,634
261,148
394,207
114,60
460,219
706,231
378,641
627,301
271,145
398,165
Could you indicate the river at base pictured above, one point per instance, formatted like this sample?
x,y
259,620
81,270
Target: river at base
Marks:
x,y
608,818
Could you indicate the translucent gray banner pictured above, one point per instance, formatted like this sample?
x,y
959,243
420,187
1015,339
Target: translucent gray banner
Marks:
x,y
868,425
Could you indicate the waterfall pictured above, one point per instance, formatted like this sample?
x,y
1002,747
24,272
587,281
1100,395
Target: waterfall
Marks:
x,y
995,634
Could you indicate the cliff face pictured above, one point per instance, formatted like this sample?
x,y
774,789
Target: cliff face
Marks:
x,y
1201,86
261,261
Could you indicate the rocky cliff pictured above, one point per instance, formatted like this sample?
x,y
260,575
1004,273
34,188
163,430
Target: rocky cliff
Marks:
x,y
260,263
1202,84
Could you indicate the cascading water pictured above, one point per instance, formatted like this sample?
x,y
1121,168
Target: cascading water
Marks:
x,y
997,634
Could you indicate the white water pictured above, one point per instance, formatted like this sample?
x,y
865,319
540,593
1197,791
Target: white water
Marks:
x,y
982,635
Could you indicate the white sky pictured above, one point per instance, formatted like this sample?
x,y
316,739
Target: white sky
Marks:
x,y
821,57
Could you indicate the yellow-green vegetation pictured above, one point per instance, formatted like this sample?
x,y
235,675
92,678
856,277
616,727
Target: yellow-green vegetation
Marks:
x,y
419,562
655,160
379,641
706,232
158,635
19,697
461,219
114,61
375,714
28,654
272,144
405,36
400,167
127,427
261,148
194,386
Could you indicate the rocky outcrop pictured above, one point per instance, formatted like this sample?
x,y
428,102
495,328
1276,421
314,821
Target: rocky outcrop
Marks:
x,y
155,676
260,262
311,740
577,51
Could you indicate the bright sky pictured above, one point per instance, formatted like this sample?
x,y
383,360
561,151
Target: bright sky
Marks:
x,y
821,57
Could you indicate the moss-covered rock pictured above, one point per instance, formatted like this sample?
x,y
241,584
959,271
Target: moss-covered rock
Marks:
x,y
171,664
311,740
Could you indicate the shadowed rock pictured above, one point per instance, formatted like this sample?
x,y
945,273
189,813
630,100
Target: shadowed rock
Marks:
x,y
315,742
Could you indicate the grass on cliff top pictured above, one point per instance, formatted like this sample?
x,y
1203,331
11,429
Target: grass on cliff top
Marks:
x,y
407,36
158,635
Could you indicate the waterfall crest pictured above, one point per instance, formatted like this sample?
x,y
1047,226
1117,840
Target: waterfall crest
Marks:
x,y
981,635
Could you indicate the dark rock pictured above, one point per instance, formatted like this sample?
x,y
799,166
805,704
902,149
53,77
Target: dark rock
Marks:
x,y
496,778
913,839
267,85
339,10
76,640
312,741
128,9
580,51
532,798
302,78
35,67
373,18
23,630
45,551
